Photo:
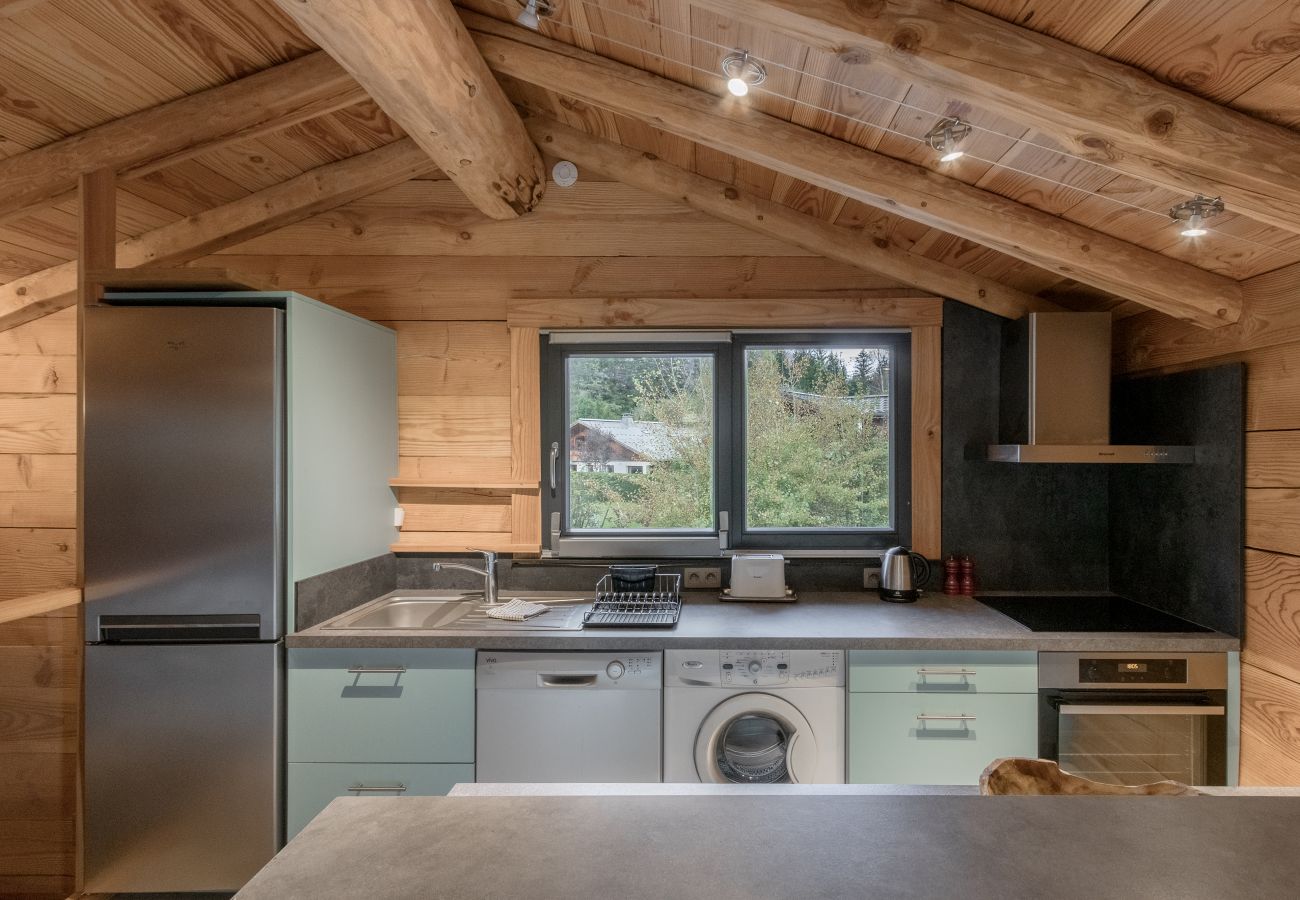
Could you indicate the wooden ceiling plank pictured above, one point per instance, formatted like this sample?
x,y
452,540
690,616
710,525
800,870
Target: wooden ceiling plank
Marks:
x,y
1036,237
417,61
163,135
768,217
1099,108
51,289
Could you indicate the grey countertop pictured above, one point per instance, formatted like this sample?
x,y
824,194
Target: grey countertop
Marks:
x,y
848,621
744,846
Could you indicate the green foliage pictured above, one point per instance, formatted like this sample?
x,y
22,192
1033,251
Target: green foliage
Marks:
x,y
814,461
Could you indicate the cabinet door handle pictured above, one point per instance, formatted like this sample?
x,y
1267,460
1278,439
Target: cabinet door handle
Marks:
x,y
567,680
378,788
923,717
925,672
376,670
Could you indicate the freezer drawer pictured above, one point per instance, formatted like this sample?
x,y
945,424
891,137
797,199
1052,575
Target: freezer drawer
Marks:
x,y
182,773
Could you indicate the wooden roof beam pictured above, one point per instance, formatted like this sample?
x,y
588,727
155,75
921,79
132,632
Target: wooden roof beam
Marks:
x,y
417,61
740,207
1071,250
154,138
52,289
1100,109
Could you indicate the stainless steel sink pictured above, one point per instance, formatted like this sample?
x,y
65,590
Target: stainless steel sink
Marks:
x,y
461,612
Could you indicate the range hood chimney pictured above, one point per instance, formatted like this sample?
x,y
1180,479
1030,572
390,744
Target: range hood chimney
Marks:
x,y
1055,396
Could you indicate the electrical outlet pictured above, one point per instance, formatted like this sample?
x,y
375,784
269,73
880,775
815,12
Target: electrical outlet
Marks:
x,y
871,579
703,579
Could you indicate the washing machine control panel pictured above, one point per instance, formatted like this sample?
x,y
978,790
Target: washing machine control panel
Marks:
x,y
768,668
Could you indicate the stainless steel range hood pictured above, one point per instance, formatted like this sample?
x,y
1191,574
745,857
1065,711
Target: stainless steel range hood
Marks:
x,y
1055,396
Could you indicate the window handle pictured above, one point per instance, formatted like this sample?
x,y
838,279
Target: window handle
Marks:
x,y
555,455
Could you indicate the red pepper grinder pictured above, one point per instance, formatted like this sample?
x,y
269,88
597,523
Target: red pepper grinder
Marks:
x,y
967,566
952,576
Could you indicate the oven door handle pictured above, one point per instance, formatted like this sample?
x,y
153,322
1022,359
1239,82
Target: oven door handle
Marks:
x,y
1137,709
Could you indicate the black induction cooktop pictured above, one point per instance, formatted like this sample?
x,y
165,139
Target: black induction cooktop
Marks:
x,y
1088,612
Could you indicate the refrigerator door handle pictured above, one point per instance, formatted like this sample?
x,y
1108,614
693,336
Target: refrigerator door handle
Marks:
x,y
179,629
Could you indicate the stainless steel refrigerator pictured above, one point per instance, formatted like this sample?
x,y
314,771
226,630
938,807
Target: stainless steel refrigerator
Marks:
x,y
185,578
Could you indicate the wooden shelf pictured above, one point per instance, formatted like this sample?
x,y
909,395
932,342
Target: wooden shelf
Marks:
x,y
461,548
458,486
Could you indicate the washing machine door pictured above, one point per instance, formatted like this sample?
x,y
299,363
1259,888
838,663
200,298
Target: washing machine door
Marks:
x,y
755,739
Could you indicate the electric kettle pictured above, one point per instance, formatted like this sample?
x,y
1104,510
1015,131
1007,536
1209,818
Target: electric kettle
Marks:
x,y
902,575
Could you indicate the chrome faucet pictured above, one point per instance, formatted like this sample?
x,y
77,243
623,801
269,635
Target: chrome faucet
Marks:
x,y
489,572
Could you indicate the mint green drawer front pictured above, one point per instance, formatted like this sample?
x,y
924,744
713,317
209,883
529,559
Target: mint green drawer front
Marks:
x,y
888,744
420,710
944,671
311,786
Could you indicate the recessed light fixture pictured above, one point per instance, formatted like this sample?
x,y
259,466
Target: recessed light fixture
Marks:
x,y
946,135
534,11
742,72
1194,212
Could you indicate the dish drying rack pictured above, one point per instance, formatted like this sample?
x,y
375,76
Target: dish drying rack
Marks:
x,y
657,608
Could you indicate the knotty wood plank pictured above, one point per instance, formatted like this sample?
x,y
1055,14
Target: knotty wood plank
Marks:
x,y
900,187
455,510
181,129
453,469
1099,108
1273,613
526,520
927,443
525,406
724,313
38,472
36,559
1273,519
37,374
458,541
453,426
38,509
1270,729
42,292
1273,459
452,359
38,423
1270,317
758,214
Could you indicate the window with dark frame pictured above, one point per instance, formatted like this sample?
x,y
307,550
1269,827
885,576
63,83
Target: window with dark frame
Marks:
x,y
692,444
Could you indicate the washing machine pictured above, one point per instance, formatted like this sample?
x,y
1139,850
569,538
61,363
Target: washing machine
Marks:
x,y
754,716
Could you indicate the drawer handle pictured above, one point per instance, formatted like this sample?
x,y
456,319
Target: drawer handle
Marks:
x,y
378,788
923,717
963,672
376,670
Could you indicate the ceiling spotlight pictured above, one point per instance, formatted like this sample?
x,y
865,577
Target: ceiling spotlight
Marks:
x,y
1194,212
946,135
534,11
742,72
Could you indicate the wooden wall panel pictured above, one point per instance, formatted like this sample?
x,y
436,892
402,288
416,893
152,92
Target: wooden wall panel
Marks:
x,y
1273,459
1273,613
1273,519
927,440
1270,729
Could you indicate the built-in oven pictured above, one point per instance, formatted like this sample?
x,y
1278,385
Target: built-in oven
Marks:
x,y
1134,718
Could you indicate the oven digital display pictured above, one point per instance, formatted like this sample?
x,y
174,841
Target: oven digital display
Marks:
x,y
1132,671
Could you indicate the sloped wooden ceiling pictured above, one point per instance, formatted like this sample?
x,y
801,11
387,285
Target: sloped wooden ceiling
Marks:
x,y
68,65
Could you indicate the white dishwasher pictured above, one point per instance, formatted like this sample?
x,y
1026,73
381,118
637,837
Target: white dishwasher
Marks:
x,y
576,717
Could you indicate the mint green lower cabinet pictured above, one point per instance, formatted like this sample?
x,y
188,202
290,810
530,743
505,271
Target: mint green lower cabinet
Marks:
x,y
917,739
311,786
380,705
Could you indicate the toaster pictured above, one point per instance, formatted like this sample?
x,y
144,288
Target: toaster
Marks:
x,y
758,576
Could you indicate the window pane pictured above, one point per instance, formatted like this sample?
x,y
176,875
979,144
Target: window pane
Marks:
x,y
817,432
640,441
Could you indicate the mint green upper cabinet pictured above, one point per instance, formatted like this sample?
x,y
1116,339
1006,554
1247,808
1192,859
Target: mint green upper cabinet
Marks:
x,y
378,705
342,409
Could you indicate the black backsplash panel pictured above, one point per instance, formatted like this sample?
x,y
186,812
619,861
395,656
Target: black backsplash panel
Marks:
x,y
1028,527
324,596
1177,532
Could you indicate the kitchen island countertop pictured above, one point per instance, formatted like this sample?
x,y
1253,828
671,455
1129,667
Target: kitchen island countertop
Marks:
x,y
834,621
742,846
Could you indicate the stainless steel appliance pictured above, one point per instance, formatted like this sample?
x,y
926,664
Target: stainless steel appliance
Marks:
x,y
902,575
185,574
1133,718
569,717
